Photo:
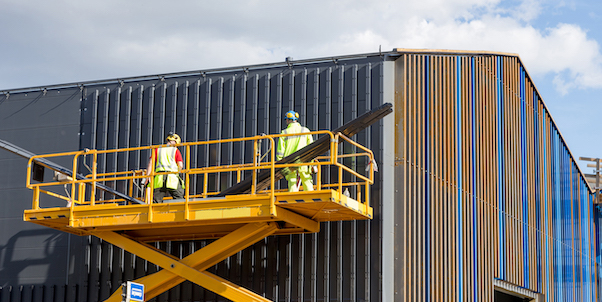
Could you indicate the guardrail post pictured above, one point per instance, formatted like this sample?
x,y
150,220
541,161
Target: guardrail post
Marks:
x,y
187,185
205,183
319,177
36,198
254,171
94,170
272,181
81,193
73,180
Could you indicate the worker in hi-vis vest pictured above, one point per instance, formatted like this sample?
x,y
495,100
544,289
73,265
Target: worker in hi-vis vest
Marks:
x,y
167,159
288,145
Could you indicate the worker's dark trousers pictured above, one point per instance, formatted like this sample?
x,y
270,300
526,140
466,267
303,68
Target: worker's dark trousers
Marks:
x,y
160,193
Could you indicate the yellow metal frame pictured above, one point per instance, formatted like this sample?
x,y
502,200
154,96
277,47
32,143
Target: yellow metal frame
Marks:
x,y
236,221
193,266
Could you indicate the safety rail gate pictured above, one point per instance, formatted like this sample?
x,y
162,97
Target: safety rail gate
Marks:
x,y
234,221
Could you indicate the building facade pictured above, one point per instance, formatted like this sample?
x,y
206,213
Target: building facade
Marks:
x,y
478,197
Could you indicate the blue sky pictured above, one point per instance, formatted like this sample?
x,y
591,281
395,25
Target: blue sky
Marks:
x,y
64,41
578,110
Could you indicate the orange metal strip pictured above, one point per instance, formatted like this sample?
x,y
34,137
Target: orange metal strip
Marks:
x,y
453,177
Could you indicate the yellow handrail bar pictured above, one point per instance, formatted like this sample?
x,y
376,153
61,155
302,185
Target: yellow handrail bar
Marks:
x,y
80,193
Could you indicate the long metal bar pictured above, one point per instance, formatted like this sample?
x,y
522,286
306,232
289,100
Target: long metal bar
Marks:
x,y
58,168
310,152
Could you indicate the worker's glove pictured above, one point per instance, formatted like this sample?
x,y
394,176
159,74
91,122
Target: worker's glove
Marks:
x,y
374,166
314,168
144,181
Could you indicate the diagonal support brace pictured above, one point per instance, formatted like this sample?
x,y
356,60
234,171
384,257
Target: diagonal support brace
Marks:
x,y
192,267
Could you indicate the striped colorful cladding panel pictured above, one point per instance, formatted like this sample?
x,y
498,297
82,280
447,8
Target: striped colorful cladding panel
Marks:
x,y
488,188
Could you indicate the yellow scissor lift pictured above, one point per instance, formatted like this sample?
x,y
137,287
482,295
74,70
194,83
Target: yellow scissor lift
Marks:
x,y
234,221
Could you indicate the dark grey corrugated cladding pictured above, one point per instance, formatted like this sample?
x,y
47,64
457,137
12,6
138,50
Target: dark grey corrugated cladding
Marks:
x,y
33,260
342,262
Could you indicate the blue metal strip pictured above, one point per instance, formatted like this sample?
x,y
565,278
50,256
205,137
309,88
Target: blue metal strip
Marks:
x,y
596,246
556,227
427,209
561,222
558,217
562,225
525,200
538,177
585,243
545,229
573,231
459,176
475,278
590,218
501,180
566,225
592,246
569,265
587,219
598,243
584,240
577,237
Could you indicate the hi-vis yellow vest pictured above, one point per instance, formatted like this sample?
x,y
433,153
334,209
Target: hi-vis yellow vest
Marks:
x,y
288,145
166,162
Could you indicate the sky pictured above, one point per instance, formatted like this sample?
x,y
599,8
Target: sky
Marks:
x,y
64,41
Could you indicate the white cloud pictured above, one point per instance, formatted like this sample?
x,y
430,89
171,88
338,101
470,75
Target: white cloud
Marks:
x,y
564,50
78,40
182,53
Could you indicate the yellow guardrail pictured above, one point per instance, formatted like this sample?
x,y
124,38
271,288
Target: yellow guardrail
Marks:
x,y
85,191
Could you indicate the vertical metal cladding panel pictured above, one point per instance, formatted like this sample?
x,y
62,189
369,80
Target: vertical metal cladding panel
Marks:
x,y
488,189
339,263
34,260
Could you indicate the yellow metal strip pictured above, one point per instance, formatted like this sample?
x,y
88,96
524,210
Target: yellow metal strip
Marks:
x,y
224,289
204,258
230,290
55,195
210,255
297,220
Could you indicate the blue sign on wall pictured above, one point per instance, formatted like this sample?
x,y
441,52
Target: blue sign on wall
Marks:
x,y
135,292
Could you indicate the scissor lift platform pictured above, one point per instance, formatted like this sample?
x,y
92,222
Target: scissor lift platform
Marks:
x,y
232,221
204,218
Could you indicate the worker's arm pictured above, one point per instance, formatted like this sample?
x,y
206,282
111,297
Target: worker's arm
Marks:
x,y
149,168
280,149
148,171
179,160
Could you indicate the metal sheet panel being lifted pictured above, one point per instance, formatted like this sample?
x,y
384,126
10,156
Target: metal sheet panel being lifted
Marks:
x,y
58,168
310,152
